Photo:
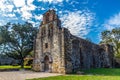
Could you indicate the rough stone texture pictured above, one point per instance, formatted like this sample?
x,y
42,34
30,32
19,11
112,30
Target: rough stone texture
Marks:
x,y
57,50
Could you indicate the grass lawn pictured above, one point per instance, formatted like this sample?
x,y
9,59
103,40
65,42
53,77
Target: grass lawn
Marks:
x,y
13,67
92,74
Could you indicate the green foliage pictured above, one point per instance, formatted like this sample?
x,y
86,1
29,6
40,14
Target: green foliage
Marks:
x,y
13,67
92,74
4,33
28,62
112,37
17,40
29,59
9,67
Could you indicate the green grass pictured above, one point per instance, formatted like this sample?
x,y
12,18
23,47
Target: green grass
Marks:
x,y
104,71
13,67
92,74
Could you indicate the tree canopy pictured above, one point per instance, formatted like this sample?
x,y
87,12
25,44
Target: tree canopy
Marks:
x,y
16,40
112,37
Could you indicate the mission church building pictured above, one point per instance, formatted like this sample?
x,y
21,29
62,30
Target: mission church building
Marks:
x,y
57,50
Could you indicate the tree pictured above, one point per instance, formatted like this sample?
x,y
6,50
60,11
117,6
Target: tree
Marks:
x,y
112,37
17,40
88,39
4,36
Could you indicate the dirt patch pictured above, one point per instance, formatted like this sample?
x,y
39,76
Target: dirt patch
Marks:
x,y
22,75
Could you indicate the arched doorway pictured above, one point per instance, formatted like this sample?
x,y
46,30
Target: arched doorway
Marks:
x,y
46,63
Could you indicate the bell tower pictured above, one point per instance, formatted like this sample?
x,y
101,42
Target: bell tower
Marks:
x,y
47,49
49,17
50,24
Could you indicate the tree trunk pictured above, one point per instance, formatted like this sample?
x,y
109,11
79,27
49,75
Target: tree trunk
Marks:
x,y
22,63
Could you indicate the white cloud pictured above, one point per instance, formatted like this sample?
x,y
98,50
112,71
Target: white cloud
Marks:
x,y
10,15
31,5
42,8
19,3
113,22
25,11
5,6
38,17
52,1
26,15
35,24
9,8
2,22
29,2
78,22
17,11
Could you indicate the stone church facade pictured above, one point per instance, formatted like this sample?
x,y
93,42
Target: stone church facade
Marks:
x,y
58,51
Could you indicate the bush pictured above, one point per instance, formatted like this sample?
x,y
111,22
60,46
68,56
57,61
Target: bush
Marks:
x,y
28,62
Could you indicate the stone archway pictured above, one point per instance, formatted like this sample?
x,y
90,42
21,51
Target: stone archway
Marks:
x,y
46,63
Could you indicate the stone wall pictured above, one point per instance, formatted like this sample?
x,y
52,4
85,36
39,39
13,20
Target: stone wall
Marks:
x,y
82,54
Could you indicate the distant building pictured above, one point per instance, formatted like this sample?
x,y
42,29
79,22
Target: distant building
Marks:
x,y
57,50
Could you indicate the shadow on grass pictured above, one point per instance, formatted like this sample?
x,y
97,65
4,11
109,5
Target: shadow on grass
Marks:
x,y
103,71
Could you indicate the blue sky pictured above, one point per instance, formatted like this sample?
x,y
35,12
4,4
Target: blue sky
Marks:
x,y
84,18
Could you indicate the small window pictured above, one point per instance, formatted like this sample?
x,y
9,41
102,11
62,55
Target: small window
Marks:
x,y
46,45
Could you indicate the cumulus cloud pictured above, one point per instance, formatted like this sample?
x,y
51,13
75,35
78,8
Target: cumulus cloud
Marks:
x,y
26,11
78,22
9,9
2,22
6,6
52,1
38,17
19,3
113,22
11,15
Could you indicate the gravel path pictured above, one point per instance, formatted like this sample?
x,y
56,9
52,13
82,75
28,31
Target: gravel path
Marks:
x,y
22,75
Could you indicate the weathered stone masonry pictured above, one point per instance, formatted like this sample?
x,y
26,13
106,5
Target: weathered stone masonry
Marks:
x,y
57,50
